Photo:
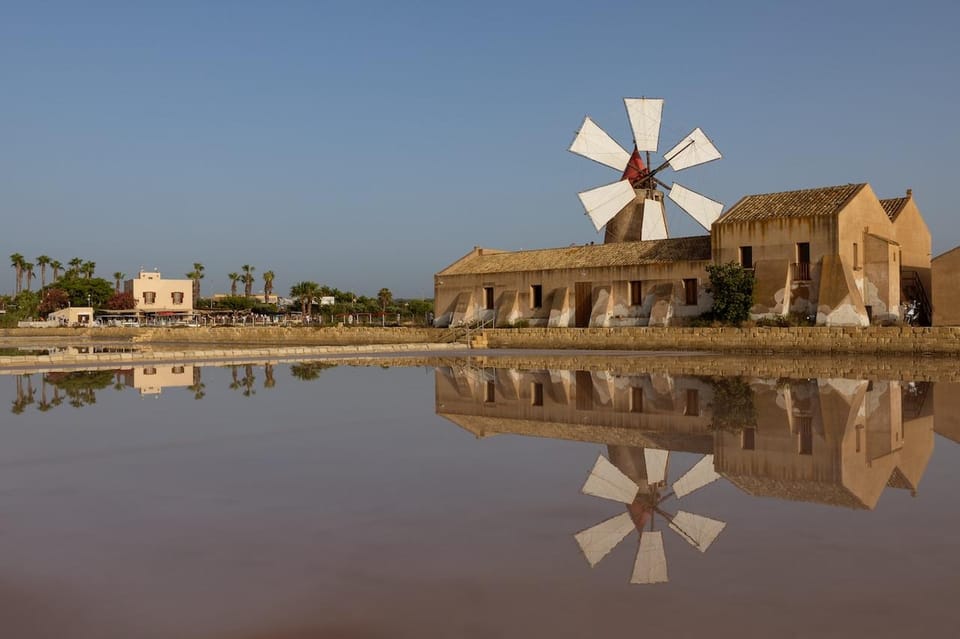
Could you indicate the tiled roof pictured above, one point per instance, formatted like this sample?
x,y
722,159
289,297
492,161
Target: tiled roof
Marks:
x,y
804,203
586,256
893,206
816,492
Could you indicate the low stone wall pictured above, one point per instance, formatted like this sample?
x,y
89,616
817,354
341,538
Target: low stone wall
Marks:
x,y
870,340
240,335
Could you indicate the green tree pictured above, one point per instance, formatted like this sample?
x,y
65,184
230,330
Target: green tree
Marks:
x,y
268,277
85,291
247,279
731,286
43,261
75,265
196,275
16,263
28,271
88,269
306,293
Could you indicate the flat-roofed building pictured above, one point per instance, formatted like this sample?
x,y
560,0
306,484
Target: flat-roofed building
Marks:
x,y
154,295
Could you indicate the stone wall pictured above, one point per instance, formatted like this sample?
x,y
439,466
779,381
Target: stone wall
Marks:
x,y
253,336
900,340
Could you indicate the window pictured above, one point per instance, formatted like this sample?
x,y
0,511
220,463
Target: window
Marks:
x,y
150,371
690,291
746,256
856,257
488,297
536,394
805,444
636,296
584,382
693,403
177,370
536,296
177,297
803,252
636,399
149,297
748,439
490,392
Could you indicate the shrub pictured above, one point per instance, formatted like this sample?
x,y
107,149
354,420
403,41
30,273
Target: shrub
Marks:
x,y
731,286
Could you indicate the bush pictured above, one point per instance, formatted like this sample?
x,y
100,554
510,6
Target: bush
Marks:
x,y
731,286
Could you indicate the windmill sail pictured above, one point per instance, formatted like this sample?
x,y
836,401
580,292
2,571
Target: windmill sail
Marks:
x,y
704,210
593,143
603,203
692,150
656,462
606,481
697,477
597,541
699,531
650,566
644,114
654,225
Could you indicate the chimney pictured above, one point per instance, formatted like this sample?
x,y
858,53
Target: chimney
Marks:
x,y
909,192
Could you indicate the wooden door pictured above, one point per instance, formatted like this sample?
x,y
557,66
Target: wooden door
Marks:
x,y
584,300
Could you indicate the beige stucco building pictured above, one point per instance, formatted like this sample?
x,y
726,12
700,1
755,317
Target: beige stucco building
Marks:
x,y
73,316
837,255
154,295
946,288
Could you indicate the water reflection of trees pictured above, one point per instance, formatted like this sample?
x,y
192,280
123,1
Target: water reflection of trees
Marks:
x,y
79,388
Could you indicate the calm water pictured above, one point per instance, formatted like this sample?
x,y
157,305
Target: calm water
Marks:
x,y
301,501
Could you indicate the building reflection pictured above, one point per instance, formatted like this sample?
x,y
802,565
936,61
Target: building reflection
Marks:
x,y
837,442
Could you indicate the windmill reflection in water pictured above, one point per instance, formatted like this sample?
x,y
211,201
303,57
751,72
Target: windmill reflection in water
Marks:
x,y
645,495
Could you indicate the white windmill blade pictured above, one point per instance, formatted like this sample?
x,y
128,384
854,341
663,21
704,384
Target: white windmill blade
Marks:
x,y
699,531
697,477
656,462
650,566
654,225
597,541
607,481
595,144
701,208
644,114
604,202
692,150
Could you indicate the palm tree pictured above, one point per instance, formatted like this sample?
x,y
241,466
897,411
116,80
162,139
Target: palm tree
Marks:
x,y
56,265
43,261
196,275
16,262
306,292
247,279
117,277
385,297
88,268
267,285
75,265
28,269
234,278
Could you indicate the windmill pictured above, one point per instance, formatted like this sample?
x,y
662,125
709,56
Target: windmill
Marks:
x,y
643,504
632,207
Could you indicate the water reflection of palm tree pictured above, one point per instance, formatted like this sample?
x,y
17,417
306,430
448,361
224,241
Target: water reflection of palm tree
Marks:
x,y
44,405
309,370
197,387
19,404
248,381
268,380
234,377
643,494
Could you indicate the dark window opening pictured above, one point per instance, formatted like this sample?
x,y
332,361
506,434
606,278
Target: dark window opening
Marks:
x,y
856,257
490,392
149,297
746,256
584,390
536,296
805,446
536,394
693,402
748,439
488,297
690,291
636,297
803,252
636,400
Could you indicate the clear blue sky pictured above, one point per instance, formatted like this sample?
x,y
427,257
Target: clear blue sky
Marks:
x,y
369,144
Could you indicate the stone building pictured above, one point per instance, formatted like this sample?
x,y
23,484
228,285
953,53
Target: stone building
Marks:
x,y
838,255
945,273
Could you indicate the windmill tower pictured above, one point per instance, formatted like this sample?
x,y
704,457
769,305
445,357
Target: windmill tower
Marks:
x,y
632,208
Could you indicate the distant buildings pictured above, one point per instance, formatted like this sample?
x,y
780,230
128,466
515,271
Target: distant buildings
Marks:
x,y
154,296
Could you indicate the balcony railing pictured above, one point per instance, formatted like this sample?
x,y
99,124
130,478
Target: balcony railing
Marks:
x,y
801,271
